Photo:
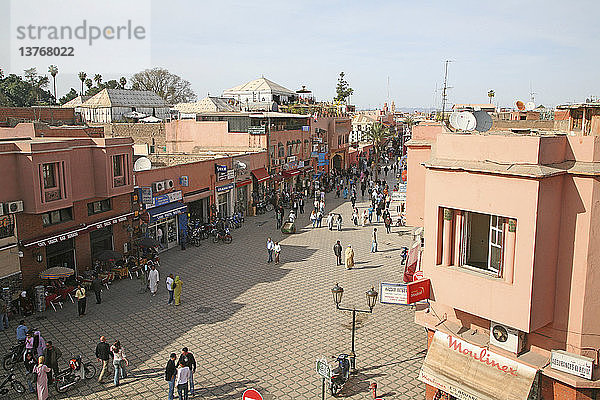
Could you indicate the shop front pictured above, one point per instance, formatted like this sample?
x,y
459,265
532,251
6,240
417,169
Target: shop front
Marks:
x,y
260,177
241,195
198,203
224,200
166,224
61,254
100,240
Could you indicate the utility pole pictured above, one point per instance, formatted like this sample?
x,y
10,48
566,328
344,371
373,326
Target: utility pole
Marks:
x,y
445,88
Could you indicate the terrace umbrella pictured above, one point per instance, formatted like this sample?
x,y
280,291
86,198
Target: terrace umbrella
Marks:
x,y
109,255
56,273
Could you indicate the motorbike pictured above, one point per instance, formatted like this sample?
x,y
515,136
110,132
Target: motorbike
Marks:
x,y
223,236
14,383
15,355
76,372
340,374
195,237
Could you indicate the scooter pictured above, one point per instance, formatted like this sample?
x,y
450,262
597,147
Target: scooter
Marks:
x,y
340,374
15,384
74,373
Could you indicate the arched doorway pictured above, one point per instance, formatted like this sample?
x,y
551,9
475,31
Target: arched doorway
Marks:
x,y
337,162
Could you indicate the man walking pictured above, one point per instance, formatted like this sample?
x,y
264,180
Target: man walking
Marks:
x,y
187,359
153,279
97,288
81,300
183,377
374,241
270,247
169,281
301,204
337,250
277,250
171,374
103,356
51,356
3,315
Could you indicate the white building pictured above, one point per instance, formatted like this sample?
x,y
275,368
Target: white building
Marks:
x,y
361,124
263,91
209,105
113,105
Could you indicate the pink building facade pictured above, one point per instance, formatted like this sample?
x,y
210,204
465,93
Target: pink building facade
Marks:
x,y
511,251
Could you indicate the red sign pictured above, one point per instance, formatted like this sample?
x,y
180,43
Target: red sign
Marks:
x,y
411,263
251,394
418,275
417,291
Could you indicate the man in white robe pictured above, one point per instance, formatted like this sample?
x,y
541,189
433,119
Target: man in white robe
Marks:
x,y
153,280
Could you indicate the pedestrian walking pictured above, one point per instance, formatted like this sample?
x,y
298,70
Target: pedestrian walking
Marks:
x,y
374,241
30,363
349,257
171,374
313,218
51,356
353,199
183,376
3,315
339,222
322,206
388,224
337,250
97,288
355,217
119,362
330,221
301,204
365,217
21,331
153,279
103,356
169,282
319,218
177,286
81,300
41,370
187,359
277,250
270,246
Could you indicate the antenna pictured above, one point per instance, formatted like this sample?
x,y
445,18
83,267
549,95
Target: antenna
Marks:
x,y
531,93
388,90
445,88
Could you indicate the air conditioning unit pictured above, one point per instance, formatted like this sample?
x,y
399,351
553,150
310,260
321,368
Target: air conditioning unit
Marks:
x,y
507,338
14,206
158,186
169,184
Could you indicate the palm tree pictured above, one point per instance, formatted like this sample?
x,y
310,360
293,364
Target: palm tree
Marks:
x,y
88,83
491,94
53,70
378,136
82,76
98,79
122,82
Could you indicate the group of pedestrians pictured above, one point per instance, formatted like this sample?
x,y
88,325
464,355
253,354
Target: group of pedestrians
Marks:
x,y
104,352
180,374
273,248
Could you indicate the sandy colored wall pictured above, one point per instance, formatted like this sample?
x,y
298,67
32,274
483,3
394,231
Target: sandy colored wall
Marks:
x,y
188,135
415,185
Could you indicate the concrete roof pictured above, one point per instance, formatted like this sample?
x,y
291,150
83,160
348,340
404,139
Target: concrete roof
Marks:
x,y
363,119
208,104
124,98
578,105
76,102
259,85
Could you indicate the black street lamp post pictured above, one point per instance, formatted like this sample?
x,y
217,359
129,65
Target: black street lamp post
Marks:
x,y
371,295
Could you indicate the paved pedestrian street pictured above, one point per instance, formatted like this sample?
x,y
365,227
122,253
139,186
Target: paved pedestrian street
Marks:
x,y
249,323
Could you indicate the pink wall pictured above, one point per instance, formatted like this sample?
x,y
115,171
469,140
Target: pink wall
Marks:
x,y
183,136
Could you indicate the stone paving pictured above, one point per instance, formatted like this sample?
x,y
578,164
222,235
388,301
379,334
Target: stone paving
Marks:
x,y
253,324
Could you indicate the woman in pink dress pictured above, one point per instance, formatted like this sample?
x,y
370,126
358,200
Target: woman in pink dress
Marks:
x,y
42,379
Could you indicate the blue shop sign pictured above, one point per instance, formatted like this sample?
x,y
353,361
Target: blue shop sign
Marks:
x,y
224,188
220,169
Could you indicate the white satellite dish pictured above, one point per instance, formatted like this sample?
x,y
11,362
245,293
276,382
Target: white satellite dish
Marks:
x,y
465,121
529,106
483,121
142,164
454,120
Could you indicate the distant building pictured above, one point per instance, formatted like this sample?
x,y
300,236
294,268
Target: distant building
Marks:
x,y
113,105
475,107
584,118
361,125
268,93
208,105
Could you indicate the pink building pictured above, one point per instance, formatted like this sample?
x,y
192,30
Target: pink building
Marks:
x,y
511,251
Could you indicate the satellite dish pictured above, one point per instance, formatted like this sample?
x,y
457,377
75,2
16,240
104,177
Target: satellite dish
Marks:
x,y
465,121
454,120
520,105
483,121
530,106
142,164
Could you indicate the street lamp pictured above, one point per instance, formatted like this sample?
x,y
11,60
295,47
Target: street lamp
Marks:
x,y
337,291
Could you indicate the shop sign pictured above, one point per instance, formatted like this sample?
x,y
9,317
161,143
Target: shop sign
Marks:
x,y
230,174
109,222
418,291
224,188
167,198
305,128
146,195
184,181
220,169
256,130
572,363
393,293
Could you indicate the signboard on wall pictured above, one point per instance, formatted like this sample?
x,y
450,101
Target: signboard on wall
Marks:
x,y
393,293
256,130
572,363
418,291
146,194
224,188
221,171
167,198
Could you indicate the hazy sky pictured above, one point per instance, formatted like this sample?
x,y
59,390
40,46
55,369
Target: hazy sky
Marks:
x,y
501,45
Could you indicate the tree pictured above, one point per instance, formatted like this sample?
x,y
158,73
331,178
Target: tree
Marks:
x,y
378,136
172,88
53,70
82,75
98,79
38,83
491,94
343,89
88,83
122,82
68,97
18,92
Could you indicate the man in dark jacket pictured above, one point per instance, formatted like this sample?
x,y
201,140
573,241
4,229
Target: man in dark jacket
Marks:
x,y
103,356
187,359
97,288
170,374
337,250
51,356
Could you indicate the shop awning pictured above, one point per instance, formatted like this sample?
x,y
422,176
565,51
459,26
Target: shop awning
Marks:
x,y
470,372
57,237
261,174
243,183
291,172
166,211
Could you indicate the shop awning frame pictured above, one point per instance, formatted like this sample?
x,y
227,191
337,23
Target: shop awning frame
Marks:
x,y
261,174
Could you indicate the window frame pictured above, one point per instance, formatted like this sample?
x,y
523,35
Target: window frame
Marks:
x,y
92,206
61,216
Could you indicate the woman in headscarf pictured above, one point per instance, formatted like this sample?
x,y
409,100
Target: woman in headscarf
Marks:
x,y
349,257
177,284
42,379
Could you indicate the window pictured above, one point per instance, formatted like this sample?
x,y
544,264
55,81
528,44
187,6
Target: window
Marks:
x,y
57,216
272,151
7,226
339,140
97,207
281,150
290,149
119,167
482,242
49,175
